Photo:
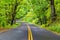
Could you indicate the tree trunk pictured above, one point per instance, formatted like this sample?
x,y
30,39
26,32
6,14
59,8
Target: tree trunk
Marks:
x,y
14,12
53,13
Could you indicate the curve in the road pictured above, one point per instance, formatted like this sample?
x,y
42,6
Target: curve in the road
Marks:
x,y
21,33
42,34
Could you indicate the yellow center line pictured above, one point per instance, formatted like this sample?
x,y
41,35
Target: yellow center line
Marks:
x,y
30,37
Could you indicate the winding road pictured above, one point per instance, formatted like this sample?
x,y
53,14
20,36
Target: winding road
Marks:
x,y
21,33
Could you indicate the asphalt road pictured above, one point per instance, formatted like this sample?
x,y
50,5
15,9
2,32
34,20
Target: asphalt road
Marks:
x,y
21,33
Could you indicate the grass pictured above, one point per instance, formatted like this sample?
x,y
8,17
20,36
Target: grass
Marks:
x,y
11,26
7,27
55,27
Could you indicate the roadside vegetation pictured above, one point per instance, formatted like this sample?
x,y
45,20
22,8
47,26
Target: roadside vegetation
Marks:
x,y
45,13
10,26
55,27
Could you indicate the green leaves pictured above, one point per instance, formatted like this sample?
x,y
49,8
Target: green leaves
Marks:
x,y
29,10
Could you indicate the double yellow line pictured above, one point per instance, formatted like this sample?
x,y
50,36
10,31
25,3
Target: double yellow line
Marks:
x,y
30,37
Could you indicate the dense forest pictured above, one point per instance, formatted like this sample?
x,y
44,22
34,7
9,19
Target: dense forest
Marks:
x,y
45,13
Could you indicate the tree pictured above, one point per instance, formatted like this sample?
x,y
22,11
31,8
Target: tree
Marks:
x,y
14,8
53,13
